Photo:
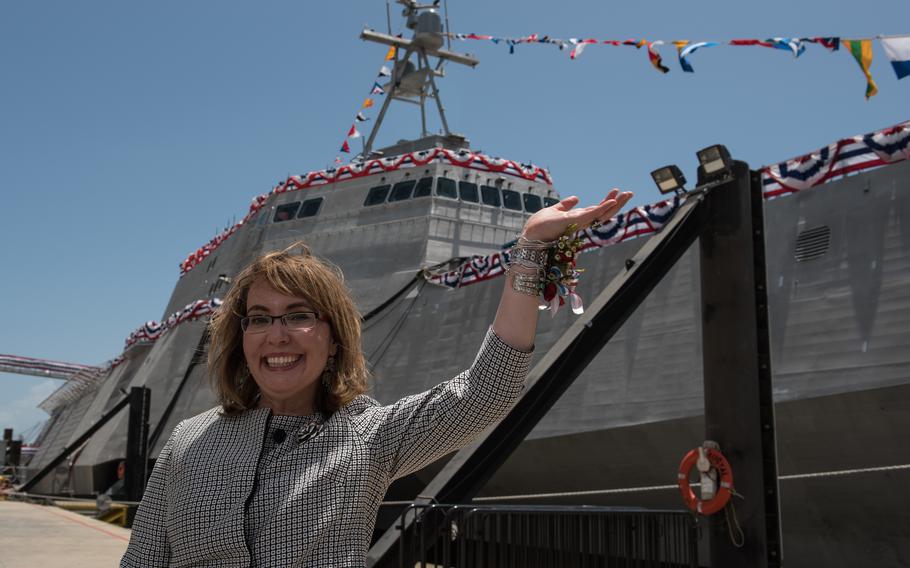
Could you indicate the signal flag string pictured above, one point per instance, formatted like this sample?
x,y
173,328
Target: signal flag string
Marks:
x,y
897,49
377,89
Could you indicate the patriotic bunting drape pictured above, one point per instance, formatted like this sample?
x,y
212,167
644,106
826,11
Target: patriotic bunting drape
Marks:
x,y
463,158
848,155
834,160
844,156
152,330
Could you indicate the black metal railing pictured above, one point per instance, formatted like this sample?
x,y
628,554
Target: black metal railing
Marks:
x,y
491,536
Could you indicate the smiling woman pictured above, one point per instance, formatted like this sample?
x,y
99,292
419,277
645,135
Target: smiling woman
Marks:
x,y
279,285
290,468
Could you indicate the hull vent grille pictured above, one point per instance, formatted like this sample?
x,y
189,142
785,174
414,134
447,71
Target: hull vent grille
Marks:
x,y
812,243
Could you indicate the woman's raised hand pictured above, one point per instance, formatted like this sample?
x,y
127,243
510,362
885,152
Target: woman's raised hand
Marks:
x,y
550,223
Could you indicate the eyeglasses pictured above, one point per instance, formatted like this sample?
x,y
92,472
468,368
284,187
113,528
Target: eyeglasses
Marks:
x,y
296,321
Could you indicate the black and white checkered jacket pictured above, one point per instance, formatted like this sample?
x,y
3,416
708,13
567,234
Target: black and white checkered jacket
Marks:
x,y
192,513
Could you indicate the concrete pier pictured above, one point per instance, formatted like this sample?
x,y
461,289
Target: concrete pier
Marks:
x,y
48,537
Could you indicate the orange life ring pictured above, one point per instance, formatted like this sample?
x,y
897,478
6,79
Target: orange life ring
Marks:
x,y
725,482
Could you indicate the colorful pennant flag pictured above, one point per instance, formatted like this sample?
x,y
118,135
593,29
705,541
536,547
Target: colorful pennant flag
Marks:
x,y
345,148
687,49
832,43
861,49
580,45
377,89
385,72
750,42
353,132
360,117
654,57
794,45
897,48
366,103
391,54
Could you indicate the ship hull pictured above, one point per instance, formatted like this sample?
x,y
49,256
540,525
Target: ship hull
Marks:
x,y
840,331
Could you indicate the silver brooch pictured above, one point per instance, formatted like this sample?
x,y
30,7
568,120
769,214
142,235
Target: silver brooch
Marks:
x,y
308,431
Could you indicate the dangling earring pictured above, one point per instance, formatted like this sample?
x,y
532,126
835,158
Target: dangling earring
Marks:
x,y
328,372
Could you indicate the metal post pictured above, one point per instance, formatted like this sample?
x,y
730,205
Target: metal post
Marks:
x,y
435,90
137,443
12,449
467,472
739,412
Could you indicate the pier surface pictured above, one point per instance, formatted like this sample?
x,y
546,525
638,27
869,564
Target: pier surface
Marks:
x,y
47,537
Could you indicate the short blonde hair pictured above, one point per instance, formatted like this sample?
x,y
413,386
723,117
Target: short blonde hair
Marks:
x,y
295,272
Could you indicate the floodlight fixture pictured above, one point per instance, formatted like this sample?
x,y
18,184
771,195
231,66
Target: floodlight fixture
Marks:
x,y
713,162
669,179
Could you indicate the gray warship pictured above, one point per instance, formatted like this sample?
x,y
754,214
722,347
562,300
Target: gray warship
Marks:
x,y
418,229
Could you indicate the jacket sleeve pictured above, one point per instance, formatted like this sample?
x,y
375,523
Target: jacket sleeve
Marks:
x,y
419,429
149,546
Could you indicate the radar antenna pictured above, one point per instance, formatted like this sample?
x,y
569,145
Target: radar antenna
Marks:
x,y
410,82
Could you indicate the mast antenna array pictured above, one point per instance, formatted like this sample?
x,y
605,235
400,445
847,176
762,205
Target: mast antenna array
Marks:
x,y
414,81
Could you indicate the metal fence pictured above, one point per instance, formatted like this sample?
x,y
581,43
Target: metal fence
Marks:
x,y
491,536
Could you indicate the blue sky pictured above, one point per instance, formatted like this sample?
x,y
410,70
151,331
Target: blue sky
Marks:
x,y
131,132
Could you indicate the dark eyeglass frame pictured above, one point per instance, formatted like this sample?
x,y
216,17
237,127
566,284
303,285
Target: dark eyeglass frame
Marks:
x,y
245,321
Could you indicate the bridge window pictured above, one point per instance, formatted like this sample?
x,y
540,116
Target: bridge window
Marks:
x,y
468,191
377,195
532,203
489,195
511,199
402,190
286,212
445,187
310,208
424,187
549,201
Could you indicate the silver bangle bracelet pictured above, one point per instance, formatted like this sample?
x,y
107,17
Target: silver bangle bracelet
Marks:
x,y
535,256
526,284
525,242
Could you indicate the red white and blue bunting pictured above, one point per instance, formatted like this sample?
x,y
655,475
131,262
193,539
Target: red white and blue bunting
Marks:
x,y
849,155
628,225
862,152
840,158
463,158
87,379
152,330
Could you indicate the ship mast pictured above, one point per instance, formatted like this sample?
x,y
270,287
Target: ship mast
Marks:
x,y
414,81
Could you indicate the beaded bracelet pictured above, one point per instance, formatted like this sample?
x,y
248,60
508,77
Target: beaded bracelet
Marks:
x,y
554,265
